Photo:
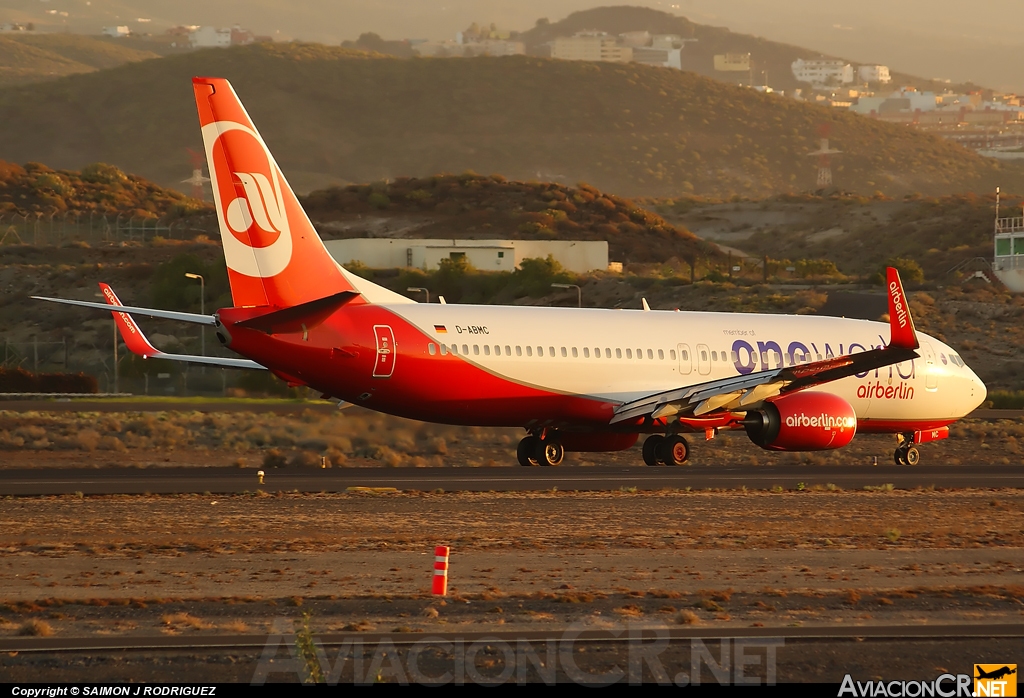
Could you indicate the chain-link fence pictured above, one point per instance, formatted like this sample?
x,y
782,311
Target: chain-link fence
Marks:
x,y
57,228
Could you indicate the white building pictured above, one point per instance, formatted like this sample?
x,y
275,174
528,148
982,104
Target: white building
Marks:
x,y
665,57
577,256
874,73
591,47
210,37
822,72
117,32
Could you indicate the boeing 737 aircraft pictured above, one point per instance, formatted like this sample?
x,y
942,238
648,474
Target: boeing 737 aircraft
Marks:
x,y
574,379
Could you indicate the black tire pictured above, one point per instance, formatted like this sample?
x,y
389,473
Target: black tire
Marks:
x,y
675,450
525,452
912,456
549,452
650,449
898,457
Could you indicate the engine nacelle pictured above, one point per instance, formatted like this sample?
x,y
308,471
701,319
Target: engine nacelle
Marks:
x,y
804,421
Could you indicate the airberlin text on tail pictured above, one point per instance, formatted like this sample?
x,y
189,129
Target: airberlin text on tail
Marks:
x,y
273,254
901,325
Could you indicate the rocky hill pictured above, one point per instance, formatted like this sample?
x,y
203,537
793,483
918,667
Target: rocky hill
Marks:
x,y
333,115
29,57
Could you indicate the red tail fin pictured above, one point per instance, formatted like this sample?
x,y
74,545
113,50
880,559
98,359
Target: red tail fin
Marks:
x,y
273,253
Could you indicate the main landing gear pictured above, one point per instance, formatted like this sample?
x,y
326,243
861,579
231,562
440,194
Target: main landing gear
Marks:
x,y
534,450
905,453
666,450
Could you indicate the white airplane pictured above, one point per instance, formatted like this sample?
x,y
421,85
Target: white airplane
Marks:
x,y
574,379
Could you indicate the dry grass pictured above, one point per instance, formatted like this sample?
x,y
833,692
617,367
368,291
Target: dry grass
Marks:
x,y
687,617
184,621
35,627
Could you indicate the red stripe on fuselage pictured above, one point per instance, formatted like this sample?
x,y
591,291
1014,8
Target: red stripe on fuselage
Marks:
x,y
339,356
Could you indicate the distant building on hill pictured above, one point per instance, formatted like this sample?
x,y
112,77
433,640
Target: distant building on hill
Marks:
x,y
212,37
874,73
118,32
732,62
822,71
16,27
577,256
591,46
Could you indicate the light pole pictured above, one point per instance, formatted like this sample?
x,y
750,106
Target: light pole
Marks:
x,y
579,292
202,307
417,289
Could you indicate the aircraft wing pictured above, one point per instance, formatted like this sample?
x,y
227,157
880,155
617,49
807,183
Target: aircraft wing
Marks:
x,y
745,392
137,342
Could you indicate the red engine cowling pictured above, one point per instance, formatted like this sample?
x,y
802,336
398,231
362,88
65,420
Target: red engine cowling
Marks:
x,y
805,421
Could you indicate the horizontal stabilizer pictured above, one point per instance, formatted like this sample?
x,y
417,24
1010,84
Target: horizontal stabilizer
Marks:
x,y
299,318
193,318
138,343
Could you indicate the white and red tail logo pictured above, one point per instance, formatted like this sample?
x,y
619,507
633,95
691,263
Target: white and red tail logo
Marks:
x,y
273,253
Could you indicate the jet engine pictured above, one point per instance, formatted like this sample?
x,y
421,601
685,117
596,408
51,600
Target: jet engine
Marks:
x,y
804,421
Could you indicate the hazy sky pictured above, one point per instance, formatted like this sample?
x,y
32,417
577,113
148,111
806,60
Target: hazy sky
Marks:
x,y
978,40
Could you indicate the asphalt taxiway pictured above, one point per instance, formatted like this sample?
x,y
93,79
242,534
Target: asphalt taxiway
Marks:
x,y
218,480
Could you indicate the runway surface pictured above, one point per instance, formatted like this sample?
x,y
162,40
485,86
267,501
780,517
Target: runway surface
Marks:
x,y
27,482
163,642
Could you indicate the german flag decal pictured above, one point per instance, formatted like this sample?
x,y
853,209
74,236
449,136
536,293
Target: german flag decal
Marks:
x,y
440,329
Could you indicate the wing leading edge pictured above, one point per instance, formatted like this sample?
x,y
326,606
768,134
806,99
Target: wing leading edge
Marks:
x,y
745,392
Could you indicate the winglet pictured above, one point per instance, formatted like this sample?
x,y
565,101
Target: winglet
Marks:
x,y
901,325
130,331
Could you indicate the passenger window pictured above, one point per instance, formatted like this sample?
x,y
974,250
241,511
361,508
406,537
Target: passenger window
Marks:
x,y
476,349
618,353
575,354
607,353
551,351
444,349
819,357
529,351
540,351
431,349
508,350
519,350
629,353
563,353
465,350
672,354
686,355
586,352
735,357
703,355
487,350
661,354
714,356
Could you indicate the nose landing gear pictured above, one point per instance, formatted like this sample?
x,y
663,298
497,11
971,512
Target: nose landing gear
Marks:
x,y
534,450
666,450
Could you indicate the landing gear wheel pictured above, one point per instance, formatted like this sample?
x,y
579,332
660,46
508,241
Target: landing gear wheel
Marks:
x,y
527,449
898,457
650,449
912,456
674,450
548,452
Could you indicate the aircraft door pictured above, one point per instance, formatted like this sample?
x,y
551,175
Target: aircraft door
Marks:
x,y
685,365
931,371
703,359
384,365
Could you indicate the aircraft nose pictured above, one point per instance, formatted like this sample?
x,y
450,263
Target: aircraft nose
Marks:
x,y
978,390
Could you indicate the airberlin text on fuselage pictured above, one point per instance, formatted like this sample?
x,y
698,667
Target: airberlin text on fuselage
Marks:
x,y
747,358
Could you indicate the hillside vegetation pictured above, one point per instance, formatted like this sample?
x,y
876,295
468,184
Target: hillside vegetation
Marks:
x,y
97,188
29,57
332,114
472,206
